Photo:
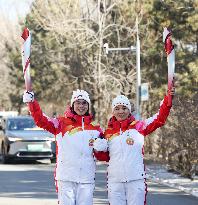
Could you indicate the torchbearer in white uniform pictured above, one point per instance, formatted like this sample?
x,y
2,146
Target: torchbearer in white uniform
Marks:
x,y
77,139
75,135
125,136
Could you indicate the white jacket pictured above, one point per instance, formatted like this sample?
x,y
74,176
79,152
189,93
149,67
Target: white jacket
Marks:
x,y
126,161
126,145
75,161
74,139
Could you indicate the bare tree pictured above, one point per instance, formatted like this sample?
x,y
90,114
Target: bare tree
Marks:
x,y
9,33
83,27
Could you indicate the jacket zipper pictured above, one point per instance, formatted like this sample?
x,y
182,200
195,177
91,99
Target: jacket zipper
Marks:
x,y
123,153
83,127
83,124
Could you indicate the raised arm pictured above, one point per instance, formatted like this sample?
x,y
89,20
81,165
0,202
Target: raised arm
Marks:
x,y
41,120
158,120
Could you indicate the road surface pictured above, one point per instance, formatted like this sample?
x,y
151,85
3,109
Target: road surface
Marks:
x,y
32,183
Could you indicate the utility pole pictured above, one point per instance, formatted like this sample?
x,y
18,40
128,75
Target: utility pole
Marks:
x,y
138,74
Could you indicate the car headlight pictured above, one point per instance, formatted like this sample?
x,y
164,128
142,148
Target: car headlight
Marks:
x,y
51,139
14,139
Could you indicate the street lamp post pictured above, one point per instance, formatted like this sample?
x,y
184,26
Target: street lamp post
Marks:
x,y
138,74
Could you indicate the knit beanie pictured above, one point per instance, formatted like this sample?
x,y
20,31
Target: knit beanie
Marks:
x,y
121,100
80,95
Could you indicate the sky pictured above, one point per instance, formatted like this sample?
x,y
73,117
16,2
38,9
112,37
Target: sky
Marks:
x,y
13,9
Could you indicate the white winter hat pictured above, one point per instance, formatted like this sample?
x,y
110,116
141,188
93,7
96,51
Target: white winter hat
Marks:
x,y
80,95
121,100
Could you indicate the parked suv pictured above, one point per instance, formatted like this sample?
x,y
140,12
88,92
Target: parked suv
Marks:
x,y
20,138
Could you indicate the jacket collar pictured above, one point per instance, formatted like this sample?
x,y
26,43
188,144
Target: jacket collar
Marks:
x,y
123,125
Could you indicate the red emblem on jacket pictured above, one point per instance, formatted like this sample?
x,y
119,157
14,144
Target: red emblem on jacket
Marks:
x,y
129,141
91,142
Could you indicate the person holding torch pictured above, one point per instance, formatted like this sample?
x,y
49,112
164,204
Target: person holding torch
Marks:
x,y
77,138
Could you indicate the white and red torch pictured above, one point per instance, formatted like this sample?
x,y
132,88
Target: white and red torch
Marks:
x,y
169,48
26,37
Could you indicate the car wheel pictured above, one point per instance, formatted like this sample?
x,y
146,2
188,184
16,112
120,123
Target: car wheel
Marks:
x,y
4,159
53,160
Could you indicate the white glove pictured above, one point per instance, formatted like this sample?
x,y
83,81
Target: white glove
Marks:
x,y
100,145
28,96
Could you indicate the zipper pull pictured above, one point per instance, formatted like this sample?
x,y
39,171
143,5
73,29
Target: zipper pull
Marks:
x,y
83,124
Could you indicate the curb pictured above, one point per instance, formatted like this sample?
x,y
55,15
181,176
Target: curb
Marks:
x,y
173,185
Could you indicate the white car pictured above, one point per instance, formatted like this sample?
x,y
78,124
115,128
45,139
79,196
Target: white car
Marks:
x,y
20,138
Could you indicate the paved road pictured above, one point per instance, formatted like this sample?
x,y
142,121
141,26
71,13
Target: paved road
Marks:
x,y
22,184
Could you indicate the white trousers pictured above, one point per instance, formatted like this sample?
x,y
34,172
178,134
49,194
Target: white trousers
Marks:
x,y
127,193
72,193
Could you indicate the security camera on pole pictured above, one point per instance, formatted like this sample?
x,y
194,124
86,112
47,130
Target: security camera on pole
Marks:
x,y
138,82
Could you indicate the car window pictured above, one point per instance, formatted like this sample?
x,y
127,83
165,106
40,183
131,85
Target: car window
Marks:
x,y
20,124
